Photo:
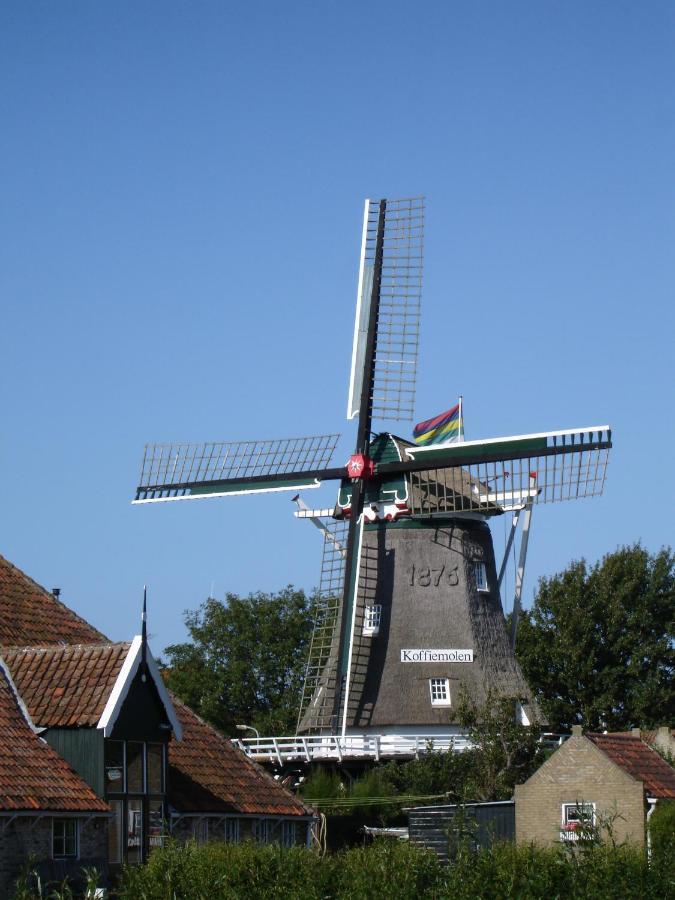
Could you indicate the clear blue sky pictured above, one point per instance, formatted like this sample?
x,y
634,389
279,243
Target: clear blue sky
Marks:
x,y
182,189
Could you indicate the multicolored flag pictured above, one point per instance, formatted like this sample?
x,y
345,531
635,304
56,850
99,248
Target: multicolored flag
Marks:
x,y
443,428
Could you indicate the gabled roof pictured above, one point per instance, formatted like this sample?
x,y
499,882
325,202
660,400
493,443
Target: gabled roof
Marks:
x,y
33,777
209,775
29,614
66,686
81,685
639,761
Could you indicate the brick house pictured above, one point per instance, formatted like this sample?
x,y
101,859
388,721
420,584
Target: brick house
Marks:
x,y
127,761
589,779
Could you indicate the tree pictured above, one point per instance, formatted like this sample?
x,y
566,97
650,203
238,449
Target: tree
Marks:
x,y
245,660
597,646
505,753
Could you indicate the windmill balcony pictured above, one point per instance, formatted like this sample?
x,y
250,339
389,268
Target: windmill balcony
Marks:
x,y
322,747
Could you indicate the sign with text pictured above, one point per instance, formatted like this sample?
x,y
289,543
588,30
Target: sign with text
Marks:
x,y
452,656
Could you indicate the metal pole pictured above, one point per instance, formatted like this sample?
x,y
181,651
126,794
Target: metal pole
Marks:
x,y
509,544
520,572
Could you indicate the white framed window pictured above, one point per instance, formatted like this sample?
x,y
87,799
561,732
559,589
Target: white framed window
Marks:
x,y
439,688
232,831
576,819
480,575
65,838
371,618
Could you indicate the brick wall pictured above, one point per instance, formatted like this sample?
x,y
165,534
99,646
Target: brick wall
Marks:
x,y
578,771
28,837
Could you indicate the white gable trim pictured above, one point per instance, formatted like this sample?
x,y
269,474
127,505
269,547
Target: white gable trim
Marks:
x,y
121,689
17,696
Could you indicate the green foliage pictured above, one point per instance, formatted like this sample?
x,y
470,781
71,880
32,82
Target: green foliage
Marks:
x,y
323,784
597,647
506,753
662,837
392,869
245,660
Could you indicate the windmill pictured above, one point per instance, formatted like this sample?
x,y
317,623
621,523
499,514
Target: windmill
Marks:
x,y
409,611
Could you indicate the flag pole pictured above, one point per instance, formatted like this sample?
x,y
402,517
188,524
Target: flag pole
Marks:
x,y
461,421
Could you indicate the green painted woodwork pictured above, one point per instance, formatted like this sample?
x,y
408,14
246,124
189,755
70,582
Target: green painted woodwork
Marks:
x,y
230,487
142,717
382,449
82,748
488,451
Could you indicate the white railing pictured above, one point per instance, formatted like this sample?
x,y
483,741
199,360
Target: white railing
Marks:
x,y
356,746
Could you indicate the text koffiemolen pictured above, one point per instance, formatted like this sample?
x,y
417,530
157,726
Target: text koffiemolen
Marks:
x,y
428,656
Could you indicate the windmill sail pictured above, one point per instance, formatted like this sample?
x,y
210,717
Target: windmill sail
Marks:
x,y
188,471
502,474
400,294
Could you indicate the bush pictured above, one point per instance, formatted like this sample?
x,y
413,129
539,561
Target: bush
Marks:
x,y
386,869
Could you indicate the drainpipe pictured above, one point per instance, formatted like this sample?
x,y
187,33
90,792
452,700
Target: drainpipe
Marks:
x,y
652,806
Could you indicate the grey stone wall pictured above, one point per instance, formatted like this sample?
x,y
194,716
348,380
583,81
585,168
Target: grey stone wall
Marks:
x,y
28,837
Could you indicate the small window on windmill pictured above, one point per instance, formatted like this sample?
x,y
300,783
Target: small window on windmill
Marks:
x,y
480,575
440,691
371,619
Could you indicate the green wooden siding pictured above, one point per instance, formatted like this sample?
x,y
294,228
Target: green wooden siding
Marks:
x,y
83,749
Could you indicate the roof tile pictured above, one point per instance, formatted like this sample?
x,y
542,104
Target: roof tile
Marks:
x,y
66,686
30,614
639,761
208,774
32,775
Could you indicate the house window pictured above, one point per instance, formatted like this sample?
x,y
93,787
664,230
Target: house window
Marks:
x,y
289,833
64,838
232,831
371,620
480,576
114,767
200,830
577,819
260,830
440,691
135,779
155,767
155,823
134,830
115,831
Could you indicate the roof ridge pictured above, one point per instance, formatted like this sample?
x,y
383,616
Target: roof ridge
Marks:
x,y
61,648
3,559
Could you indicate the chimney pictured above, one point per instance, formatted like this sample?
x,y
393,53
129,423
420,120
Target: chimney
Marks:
x,y
576,731
56,592
635,732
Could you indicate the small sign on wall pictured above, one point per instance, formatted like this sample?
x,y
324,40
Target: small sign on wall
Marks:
x,y
428,656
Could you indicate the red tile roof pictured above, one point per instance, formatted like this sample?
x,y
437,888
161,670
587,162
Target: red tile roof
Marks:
x,y
636,758
32,775
208,774
65,686
29,614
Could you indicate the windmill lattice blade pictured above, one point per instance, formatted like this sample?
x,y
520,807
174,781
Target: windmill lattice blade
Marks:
x,y
320,673
544,468
175,471
398,322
